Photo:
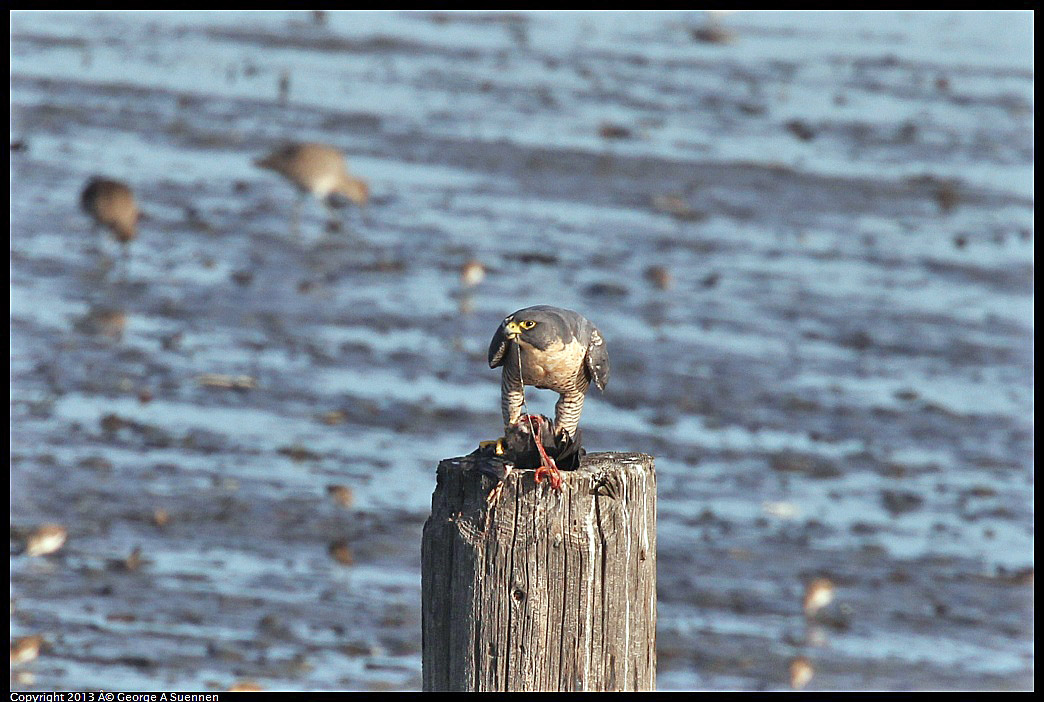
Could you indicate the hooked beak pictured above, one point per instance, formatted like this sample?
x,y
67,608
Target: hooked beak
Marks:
x,y
511,329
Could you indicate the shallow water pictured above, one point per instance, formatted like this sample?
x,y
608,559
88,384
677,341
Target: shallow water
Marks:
x,y
837,384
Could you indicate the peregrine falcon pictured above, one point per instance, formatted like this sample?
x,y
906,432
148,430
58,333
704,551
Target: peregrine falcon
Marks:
x,y
553,348
110,203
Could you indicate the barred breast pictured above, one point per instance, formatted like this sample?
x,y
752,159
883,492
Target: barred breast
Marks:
x,y
558,368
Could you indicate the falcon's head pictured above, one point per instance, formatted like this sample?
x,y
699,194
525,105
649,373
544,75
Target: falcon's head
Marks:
x,y
541,326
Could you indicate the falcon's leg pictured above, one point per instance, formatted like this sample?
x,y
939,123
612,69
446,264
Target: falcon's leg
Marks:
x,y
511,399
567,412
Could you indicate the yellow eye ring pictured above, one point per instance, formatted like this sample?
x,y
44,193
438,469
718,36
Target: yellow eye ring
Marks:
x,y
528,324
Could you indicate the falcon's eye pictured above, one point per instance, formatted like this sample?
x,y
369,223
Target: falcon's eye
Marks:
x,y
528,324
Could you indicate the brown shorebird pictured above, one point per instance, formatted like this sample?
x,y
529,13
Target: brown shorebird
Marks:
x,y
103,321
110,204
341,553
659,276
341,494
319,170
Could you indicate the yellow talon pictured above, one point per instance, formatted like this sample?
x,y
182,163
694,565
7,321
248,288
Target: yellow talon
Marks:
x,y
498,445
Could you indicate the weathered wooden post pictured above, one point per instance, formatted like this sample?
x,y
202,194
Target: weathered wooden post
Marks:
x,y
526,588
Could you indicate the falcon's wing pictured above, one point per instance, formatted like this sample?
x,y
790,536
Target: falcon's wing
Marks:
x,y
596,362
497,348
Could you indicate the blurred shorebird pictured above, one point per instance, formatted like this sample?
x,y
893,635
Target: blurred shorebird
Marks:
x,y
472,273
659,276
104,322
818,594
111,204
341,552
319,170
25,649
341,494
246,686
713,30
801,673
46,540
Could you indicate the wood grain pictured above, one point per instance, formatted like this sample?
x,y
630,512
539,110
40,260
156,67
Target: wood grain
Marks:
x,y
524,588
